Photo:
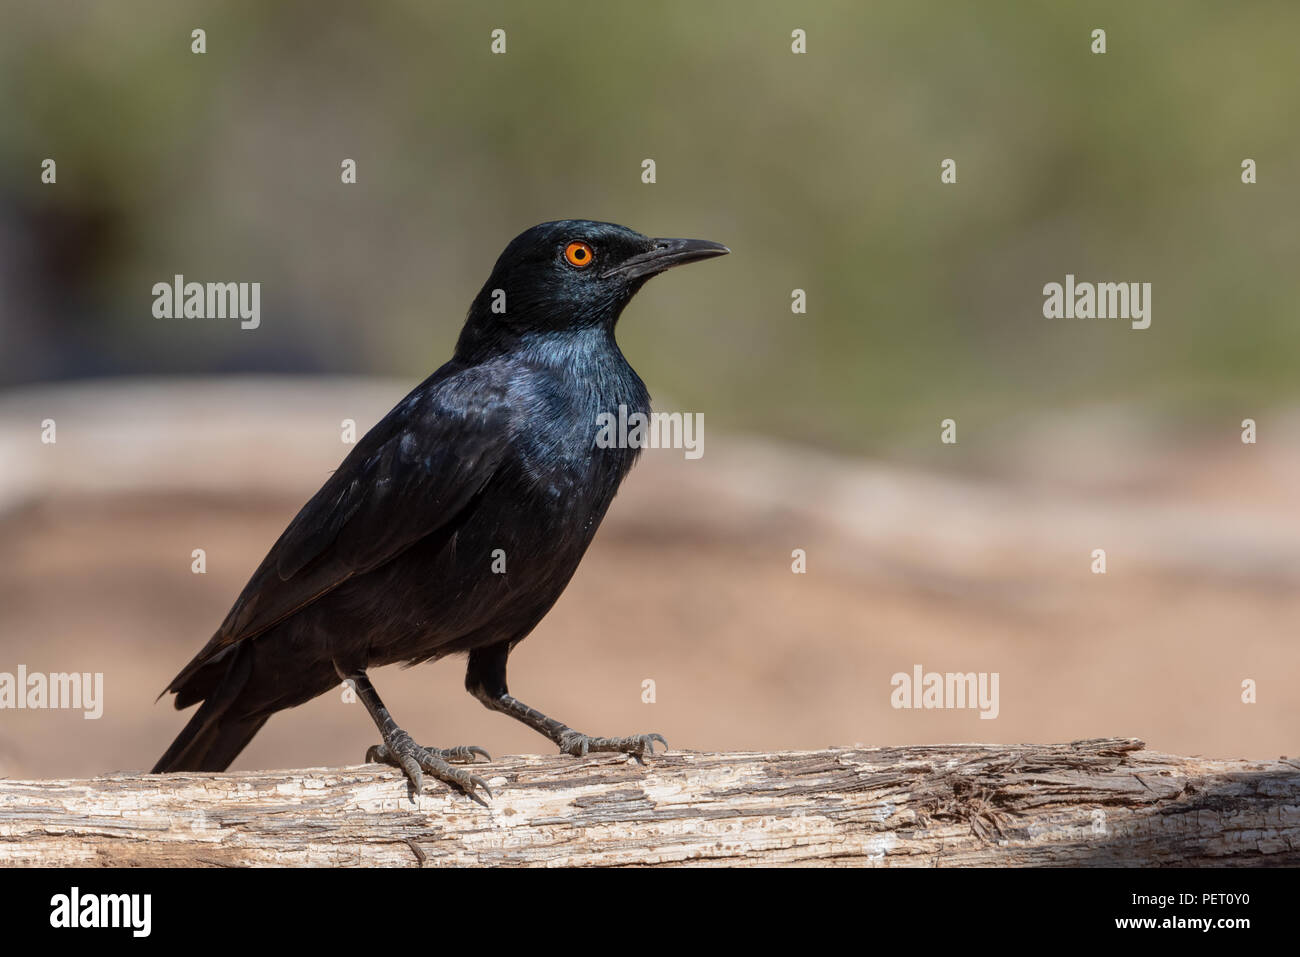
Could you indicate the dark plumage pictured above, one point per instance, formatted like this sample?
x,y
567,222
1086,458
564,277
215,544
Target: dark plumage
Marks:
x,y
391,561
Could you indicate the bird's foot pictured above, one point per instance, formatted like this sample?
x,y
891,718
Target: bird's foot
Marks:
x,y
638,745
401,752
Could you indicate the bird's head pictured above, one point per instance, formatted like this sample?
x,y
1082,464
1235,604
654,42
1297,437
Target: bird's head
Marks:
x,y
571,274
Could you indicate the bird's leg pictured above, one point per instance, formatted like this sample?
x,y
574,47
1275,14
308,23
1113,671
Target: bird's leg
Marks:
x,y
400,751
485,679
571,742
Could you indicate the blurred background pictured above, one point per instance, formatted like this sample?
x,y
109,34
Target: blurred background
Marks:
x,y
821,172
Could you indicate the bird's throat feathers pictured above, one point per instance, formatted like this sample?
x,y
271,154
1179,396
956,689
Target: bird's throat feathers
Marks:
x,y
581,325
591,359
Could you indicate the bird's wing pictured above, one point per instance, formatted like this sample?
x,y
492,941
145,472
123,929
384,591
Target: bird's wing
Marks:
x,y
410,475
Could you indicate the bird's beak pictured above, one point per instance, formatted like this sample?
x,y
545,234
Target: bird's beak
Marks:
x,y
666,254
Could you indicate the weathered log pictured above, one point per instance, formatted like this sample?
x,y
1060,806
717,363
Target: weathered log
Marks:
x,y
1096,802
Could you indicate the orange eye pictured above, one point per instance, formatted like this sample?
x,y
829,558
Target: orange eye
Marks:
x,y
579,254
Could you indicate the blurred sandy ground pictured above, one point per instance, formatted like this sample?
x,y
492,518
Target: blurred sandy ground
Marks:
x,y
688,583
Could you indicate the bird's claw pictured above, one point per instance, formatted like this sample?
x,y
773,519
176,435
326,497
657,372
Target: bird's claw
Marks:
x,y
462,754
402,752
637,745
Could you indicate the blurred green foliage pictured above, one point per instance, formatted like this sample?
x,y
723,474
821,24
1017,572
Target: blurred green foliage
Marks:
x,y
821,171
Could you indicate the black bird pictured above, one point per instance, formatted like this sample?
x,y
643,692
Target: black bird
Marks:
x,y
392,560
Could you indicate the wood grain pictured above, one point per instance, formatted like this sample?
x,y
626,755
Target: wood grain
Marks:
x,y
1100,802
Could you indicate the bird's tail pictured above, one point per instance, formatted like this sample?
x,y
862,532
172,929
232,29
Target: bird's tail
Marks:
x,y
218,731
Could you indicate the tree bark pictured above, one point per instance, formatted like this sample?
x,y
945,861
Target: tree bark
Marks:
x,y
1098,802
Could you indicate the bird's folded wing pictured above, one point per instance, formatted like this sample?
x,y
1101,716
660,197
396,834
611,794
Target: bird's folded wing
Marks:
x,y
409,476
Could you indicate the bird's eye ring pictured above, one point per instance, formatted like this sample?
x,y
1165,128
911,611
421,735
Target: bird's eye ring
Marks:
x,y
579,254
